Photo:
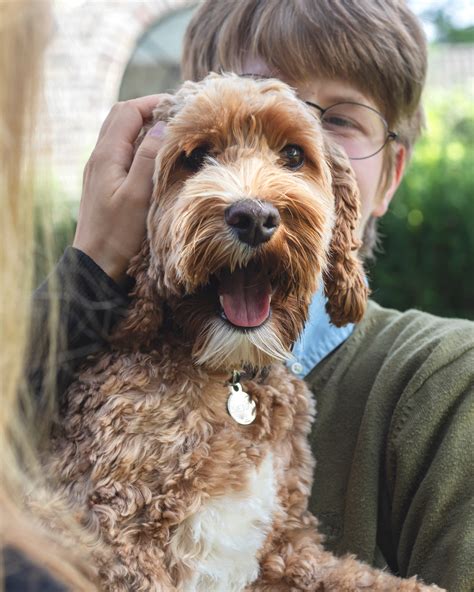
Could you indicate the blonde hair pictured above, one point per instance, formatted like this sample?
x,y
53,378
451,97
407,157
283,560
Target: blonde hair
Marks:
x,y
376,45
25,26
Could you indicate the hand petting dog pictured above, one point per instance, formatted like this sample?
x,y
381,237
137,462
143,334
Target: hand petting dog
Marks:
x,y
117,187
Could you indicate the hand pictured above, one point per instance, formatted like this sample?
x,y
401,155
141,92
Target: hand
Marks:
x,y
117,187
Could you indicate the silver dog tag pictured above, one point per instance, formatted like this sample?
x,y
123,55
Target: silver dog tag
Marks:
x,y
240,406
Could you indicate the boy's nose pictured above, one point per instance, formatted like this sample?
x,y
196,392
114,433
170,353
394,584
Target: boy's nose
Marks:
x,y
253,221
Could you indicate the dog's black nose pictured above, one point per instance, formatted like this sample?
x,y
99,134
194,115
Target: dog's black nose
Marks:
x,y
254,221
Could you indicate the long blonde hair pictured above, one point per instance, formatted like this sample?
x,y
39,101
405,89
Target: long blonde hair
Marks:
x,y
25,26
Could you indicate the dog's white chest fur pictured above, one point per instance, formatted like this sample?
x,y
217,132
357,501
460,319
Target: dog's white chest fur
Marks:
x,y
221,541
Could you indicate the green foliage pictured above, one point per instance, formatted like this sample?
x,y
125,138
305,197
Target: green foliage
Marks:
x,y
428,235
446,30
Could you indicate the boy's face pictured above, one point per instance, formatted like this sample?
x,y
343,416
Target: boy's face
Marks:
x,y
369,172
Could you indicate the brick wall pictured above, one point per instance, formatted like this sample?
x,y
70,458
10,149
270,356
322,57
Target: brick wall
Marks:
x,y
91,47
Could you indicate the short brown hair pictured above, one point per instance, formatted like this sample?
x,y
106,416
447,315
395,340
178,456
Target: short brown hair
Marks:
x,y
376,45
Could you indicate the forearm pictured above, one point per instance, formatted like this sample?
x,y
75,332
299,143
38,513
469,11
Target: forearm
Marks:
x,y
74,312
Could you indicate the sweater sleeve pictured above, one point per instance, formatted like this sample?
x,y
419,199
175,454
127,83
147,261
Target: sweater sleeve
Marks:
x,y
74,311
23,575
431,472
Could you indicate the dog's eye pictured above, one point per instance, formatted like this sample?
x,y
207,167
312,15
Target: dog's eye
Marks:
x,y
292,156
195,159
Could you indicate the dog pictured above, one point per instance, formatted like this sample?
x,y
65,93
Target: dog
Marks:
x,y
183,447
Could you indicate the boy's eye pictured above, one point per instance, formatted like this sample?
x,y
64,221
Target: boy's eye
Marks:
x,y
195,159
338,121
292,156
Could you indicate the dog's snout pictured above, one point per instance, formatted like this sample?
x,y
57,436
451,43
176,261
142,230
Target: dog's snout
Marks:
x,y
253,221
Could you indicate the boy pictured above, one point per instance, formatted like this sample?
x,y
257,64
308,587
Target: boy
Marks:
x,y
392,477
392,483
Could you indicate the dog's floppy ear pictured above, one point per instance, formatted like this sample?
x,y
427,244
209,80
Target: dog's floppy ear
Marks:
x,y
344,280
143,319
168,107
166,110
163,111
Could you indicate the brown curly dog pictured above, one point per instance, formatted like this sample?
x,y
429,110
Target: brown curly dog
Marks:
x,y
184,446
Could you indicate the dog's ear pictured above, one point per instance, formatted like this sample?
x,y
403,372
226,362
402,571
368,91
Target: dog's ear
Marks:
x,y
344,280
164,111
168,106
144,316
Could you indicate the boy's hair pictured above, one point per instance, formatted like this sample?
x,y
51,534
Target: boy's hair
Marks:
x,y
376,45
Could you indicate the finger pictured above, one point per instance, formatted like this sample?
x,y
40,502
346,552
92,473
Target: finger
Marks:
x,y
139,181
126,119
146,104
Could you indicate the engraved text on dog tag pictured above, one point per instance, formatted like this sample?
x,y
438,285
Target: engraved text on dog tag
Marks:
x,y
240,406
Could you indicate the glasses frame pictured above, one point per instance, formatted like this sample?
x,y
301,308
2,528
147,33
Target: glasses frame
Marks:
x,y
390,135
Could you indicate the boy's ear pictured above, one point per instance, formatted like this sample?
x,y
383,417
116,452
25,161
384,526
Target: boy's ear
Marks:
x,y
344,280
396,178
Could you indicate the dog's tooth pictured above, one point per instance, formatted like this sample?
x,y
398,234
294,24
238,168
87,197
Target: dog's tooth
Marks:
x,y
221,300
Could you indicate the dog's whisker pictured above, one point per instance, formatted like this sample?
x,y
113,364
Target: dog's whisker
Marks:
x,y
219,343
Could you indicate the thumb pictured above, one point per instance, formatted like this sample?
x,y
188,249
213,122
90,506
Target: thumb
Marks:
x,y
140,177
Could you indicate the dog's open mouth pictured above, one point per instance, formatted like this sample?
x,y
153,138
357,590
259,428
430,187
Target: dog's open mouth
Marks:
x,y
245,296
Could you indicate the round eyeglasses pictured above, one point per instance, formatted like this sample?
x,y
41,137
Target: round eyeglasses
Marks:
x,y
359,129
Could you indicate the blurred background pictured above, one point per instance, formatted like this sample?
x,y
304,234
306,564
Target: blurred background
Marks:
x,y
108,50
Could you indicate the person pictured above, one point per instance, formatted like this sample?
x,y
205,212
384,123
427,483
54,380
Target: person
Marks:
x,y
32,556
394,395
37,556
392,482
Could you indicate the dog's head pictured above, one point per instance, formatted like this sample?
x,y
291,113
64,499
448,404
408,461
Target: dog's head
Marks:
x,y
251,209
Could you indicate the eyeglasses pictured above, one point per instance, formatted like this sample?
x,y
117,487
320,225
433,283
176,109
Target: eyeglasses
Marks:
x,y
359,129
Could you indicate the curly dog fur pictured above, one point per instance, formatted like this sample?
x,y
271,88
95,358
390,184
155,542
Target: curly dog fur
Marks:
x,y
180,495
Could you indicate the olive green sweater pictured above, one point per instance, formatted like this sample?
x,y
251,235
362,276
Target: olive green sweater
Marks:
x,y
393,440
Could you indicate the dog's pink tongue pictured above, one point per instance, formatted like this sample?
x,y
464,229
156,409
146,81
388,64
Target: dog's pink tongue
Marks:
x,y
245,297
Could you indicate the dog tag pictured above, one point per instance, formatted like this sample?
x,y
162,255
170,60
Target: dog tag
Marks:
x,y
240,406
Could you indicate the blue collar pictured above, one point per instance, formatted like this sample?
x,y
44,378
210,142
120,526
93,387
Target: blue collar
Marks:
x,y
319,338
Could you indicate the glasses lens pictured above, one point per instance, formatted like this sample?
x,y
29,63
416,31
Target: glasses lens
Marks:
x,y
360,130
